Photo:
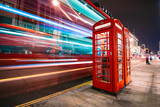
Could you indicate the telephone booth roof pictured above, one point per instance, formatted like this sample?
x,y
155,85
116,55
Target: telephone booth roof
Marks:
x,y
126,31
107,23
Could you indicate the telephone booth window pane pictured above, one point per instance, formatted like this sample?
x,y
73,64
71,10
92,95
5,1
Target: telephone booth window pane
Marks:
x,y
128,73
104,73
98,47
108,73
108,80
104,53
108,40
119,65
119,53
119,59
98,59
128,63
119,36
100,66
120,78
120,72
108,66
104,66
99,41
119,41
119,47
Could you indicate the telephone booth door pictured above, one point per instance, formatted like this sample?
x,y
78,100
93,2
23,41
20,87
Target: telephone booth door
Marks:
x,y
102,60
127,57
108,73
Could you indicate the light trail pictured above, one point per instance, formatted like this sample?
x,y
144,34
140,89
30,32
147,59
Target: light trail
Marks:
x,y
82,19
49,60
40,75
29,15
73,10
65,13
38,37
42,65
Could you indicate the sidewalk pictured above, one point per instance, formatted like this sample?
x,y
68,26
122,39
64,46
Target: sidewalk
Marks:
x,y
143,91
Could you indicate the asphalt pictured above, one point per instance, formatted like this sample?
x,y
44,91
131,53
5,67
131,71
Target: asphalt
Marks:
x,y
143,91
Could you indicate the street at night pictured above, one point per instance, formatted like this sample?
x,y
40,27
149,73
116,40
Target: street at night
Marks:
x,y
89,53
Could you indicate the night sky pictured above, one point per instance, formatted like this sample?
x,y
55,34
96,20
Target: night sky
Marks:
x,y
141,17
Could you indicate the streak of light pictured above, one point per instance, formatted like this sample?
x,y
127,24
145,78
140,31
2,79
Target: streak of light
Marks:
x,y
49,60
29,15
42,65
82,19
38,37
73,10
40,75
65,13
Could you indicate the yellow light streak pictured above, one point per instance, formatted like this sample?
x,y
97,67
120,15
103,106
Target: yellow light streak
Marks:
x,y
40,75
65,13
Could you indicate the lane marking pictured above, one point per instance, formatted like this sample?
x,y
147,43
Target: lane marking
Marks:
x,y
52,95
42,74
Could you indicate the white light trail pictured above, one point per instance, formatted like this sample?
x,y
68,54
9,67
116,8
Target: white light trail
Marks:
x,y
38,37
42,65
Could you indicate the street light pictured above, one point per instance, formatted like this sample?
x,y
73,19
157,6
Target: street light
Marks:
x,y
55,2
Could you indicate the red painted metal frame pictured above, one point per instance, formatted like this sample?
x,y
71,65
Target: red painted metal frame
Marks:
x,y
114,85
127,77
97,9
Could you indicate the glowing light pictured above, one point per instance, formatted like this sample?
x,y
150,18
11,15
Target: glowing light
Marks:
x,y
103,26
55,2
29,15
118,26
82,20
73,10
39,37
131,39
42,65
84,9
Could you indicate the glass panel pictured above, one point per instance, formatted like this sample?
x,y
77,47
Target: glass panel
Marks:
x,y
108,80
119,65
119,47
108,66
108,73
119,36
104,53
99,66
120,78
119,59
98,47
104,72
119,41
128,63
104,59
104,66
98,59
120,72
119,53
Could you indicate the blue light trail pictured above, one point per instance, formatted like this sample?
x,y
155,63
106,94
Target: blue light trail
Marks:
x,y
29,15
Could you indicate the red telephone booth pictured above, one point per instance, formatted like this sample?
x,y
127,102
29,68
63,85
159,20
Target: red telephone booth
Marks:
x,y
127,57
108,70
